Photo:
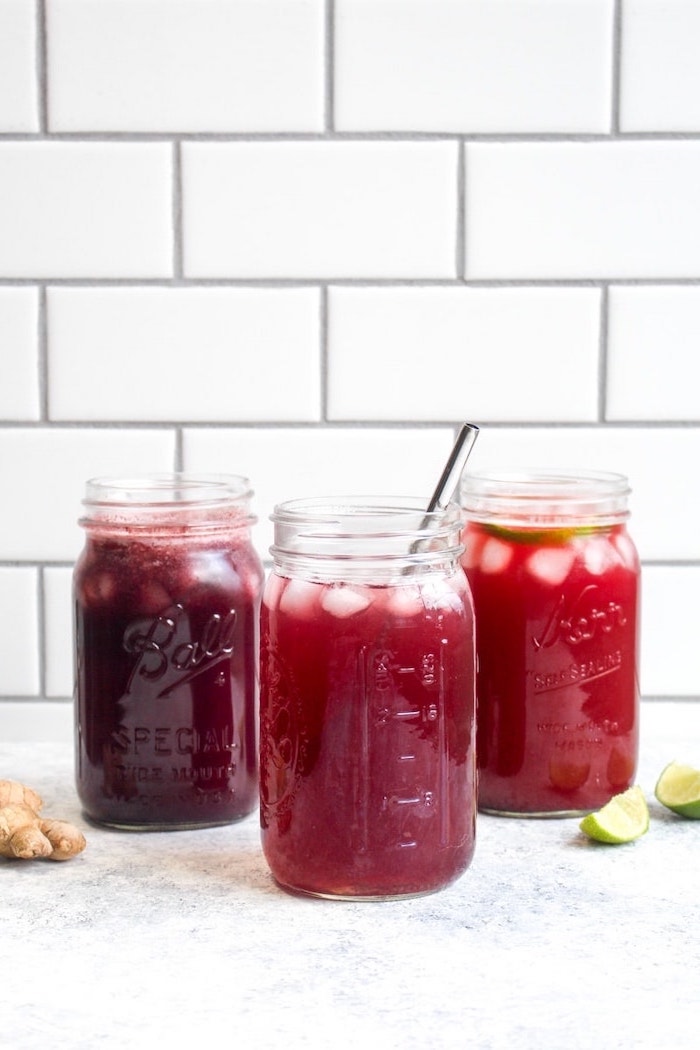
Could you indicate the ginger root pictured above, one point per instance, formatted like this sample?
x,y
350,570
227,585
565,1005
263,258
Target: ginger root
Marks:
x,y
26,835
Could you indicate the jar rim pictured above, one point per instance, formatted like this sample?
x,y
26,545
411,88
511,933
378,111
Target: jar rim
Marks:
x,y
175,489
364,533
545,495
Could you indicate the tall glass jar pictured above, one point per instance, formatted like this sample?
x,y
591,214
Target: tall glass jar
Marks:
x,y
367,724
555,580
166,598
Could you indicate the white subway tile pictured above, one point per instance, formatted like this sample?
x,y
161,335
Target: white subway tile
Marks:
x,y
19,353
43,471
157,354
665,501
197,65
19,629
670,630
453,353
660,74
474,66
95,209
288,463
58,631
36,722
582,209
653,362
19,110
319,209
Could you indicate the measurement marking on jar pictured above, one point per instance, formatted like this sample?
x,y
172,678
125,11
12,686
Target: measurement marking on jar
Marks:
x,y
385,725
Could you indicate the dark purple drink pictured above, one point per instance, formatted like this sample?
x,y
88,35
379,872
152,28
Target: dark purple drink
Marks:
x,y
166,634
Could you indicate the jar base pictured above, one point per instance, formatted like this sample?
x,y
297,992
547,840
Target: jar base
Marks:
x,y
553,814
349,897
126,825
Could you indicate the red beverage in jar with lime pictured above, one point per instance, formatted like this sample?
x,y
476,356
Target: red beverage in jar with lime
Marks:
x,y
367,776
167,595
555,580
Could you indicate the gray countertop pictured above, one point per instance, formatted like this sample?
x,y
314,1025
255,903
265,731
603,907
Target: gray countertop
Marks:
x,y
548,940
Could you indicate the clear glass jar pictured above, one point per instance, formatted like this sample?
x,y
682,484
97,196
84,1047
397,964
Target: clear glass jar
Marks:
x,y
367,768
555,580
166,597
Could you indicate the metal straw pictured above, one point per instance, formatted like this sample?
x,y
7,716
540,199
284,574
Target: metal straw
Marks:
x,y
449,480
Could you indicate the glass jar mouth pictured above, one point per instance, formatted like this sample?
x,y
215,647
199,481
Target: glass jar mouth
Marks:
x,y
546,497
366,529
168,500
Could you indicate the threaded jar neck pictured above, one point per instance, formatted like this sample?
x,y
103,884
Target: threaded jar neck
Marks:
x,y
545,498
168,504
373,539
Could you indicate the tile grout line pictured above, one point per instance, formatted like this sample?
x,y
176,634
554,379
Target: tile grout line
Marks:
x,y
324,362
603,354
329,68
178,238
41,627
42,66
42,360
616,68
461,239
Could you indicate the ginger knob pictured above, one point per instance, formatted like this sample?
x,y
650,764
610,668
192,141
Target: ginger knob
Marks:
x,y
25,835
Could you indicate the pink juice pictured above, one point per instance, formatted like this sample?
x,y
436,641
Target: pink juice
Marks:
x,y
367,734
557,635
166,632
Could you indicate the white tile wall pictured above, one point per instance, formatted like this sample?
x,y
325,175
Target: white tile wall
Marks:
x,y
19,628
440,353
19,93
508,66
304,239
654,364
660,76
85,209
184,353
320,209
19,353
583,209
208,65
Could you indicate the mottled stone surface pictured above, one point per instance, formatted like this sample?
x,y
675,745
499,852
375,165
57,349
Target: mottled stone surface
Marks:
x,y
548,941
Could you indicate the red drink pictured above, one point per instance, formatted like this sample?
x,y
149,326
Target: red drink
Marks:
x,y
554,576
367,726
166,611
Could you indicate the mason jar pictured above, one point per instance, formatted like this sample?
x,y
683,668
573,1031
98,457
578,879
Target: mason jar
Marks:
x,y
367,724
166,599
556,584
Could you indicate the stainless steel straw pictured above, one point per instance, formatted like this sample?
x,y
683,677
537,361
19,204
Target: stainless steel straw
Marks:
x,y
459,455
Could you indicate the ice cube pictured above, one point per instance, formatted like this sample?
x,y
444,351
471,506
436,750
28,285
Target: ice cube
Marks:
x,y
343,601
153,598
598,555
495,556
438,594
473,545
626,550
404,601
551,565
299,599
99,587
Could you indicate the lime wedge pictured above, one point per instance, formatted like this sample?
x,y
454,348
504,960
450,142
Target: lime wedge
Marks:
x,y
678,788
624,818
